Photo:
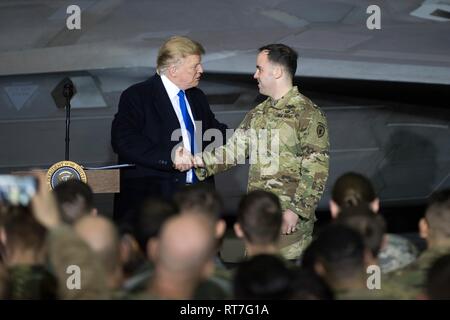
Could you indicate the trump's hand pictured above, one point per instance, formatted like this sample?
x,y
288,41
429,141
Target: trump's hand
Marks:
x,y
183,159
290,220
198,161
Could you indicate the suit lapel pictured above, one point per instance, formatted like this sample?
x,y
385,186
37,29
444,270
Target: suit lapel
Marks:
x,y
163,105
194,106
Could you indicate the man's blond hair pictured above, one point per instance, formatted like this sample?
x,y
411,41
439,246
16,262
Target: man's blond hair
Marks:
x,y
174,49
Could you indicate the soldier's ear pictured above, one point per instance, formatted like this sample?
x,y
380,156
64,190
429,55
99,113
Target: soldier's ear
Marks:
x,y
3,236
384,241
125,247
238,230
221,225
320,269
423,228
375,205
369,259
207,269
152,249
277,71
334,209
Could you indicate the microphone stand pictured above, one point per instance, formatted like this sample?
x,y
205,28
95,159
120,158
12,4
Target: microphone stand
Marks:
x,y
68,94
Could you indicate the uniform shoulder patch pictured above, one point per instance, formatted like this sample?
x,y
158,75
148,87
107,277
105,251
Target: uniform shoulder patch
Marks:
x,y
320,129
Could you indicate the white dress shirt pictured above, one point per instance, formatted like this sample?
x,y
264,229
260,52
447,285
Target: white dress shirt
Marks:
x,y
172,91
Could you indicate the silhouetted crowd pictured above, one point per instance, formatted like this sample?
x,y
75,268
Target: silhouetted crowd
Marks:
x,y
61,247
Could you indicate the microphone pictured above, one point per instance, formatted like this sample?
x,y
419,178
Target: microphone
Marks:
x,y
68,90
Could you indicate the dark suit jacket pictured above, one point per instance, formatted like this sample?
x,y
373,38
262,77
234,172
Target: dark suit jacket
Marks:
x,y
141,134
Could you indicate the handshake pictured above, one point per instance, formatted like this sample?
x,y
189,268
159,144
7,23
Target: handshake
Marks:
x,y
184,160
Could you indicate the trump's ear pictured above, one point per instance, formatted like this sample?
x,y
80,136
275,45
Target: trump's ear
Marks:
x,y
172,71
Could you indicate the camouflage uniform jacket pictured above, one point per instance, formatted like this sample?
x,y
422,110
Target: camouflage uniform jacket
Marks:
x,y
412,278
298,170
386,292
396,254
31,282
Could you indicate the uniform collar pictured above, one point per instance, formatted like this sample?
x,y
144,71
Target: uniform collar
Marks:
x,y
283,101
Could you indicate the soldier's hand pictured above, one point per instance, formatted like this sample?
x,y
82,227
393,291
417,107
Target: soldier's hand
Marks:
x,y
290,220
198,161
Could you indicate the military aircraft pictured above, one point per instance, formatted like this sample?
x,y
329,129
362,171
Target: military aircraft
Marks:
x,y
380,73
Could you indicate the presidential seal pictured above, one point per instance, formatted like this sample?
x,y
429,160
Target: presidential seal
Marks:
x,y
63,171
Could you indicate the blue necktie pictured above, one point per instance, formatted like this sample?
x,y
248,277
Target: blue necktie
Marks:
x,y
189,126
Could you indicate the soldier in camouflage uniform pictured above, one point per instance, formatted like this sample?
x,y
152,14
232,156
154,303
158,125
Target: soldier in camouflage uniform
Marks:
x,y
28,277
31,282
396,253
296,166
352,190
435,228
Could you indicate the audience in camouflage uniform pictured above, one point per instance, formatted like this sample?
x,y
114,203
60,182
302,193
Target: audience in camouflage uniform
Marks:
x,y
353,189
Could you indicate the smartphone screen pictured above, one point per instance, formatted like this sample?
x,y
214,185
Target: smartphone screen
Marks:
x,y
17,190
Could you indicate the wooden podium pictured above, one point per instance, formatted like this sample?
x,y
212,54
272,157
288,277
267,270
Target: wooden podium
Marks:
x,y
100,181
104,181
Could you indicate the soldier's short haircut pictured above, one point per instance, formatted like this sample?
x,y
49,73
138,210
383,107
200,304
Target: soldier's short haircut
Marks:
x,y
201,198
369,225
262,277
352,189
175,49
307,285
107,250
283,55
152,215
75,199
23,231
260,217
339,249
438,213
438,279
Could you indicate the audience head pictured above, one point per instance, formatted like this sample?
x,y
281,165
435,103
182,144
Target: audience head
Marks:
x,y
76,199
337,255
435,227
22,234
202,199
102,237
262,277
307,285
370,226
350,190
185,245
438,279
259,218
152,216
